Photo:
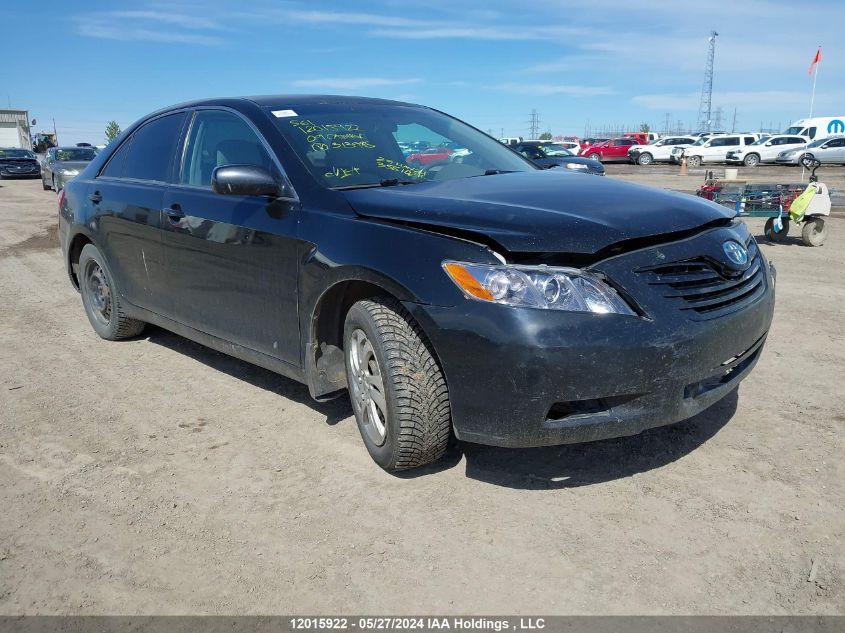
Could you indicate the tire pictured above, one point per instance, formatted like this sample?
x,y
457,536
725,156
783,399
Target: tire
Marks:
x,y
694,161
594,156
814,232
752,160
101,298
386,353
45,185
56,185
778,237
645,159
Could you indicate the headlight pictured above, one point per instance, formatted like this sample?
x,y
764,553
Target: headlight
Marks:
x,y
69,172
541,287
576,166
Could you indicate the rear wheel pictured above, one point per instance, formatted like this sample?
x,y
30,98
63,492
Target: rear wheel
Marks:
x,y
103,304
752,160
814,232
774,235
397,388
645,159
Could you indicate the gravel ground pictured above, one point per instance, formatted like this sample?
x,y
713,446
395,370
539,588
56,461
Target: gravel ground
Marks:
x,y
157,476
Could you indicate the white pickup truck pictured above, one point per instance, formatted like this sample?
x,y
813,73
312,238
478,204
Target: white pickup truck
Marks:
x,y
766,150
660,151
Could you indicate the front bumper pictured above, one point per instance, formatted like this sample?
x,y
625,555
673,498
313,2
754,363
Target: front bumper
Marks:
x,y
8,172
523,377
787,161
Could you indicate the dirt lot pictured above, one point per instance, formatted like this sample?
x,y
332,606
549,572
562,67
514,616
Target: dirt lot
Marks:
x,y
156,476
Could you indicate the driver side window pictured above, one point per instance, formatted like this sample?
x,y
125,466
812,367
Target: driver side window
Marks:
x,y
220,138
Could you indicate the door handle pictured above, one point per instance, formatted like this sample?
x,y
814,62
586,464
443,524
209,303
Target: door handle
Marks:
x,y
174,212
96,197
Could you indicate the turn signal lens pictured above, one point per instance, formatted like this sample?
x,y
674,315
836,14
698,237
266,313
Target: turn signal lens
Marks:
x,y
466,282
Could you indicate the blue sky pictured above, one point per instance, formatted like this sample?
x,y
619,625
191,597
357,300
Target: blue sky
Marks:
x,y
487,62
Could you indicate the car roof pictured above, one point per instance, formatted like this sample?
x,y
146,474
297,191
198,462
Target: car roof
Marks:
x,y
281,101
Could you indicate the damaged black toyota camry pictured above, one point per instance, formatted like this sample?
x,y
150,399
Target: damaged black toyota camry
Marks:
x,y
473,295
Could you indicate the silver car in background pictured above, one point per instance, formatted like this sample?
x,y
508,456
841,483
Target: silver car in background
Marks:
x,y
62,164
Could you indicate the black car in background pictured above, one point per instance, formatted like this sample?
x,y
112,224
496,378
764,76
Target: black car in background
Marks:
x,y
487,299
547,154
18,163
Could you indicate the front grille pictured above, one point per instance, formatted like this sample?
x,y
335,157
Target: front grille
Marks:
x,y
707,291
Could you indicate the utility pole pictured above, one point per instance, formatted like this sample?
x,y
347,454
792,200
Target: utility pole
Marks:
x,y
534,125
733,124
705,106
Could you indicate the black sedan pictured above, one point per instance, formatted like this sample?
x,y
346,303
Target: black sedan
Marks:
x,y
489,299
18,163
547,155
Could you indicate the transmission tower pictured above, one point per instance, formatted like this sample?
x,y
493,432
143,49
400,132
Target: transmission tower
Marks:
x,y
717,118
667,123
534,125
704,108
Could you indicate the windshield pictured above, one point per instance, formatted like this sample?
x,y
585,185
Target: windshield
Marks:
x,y
75,153
817,142
358,145
16,153
555,149
701,141
795,129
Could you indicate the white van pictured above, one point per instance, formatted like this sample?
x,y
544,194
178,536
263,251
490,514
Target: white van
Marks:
x,y
818,127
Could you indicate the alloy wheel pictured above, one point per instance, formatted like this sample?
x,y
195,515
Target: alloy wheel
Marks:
x,y
367,385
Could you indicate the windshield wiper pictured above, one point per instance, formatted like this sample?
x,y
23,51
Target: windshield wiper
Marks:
x,y
387,182
494,172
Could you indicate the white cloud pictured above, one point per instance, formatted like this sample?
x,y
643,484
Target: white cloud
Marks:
x,y
351,83
148,26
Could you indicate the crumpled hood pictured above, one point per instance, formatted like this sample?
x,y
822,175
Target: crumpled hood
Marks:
x,y
548,211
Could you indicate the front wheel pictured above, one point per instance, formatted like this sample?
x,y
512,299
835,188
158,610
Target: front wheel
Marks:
x,y
396,385
56,186
103,304
752,160
645,159
594,156
694,161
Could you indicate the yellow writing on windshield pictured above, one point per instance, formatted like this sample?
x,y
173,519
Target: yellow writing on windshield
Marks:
x,y
402,168
343,172
324,136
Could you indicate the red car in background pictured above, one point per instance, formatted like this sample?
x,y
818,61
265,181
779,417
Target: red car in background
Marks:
x,y
614,149
431,155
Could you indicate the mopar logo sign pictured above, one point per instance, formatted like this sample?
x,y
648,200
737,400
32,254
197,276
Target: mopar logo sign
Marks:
x,y
836,127
736,252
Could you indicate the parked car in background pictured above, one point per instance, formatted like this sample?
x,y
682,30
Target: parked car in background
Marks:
x,y
765,149
430,155
62,164
830,151
714,149
615,149
18,163
592,141
490,301
548,154
660,151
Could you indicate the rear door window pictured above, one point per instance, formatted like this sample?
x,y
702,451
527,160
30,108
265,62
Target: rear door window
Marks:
x,y
151,153
114,168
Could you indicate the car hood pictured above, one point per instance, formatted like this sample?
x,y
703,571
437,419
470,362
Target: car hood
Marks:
x,y
71,164
548,211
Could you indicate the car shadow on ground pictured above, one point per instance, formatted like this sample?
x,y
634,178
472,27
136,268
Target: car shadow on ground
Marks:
x,y
790,240
334,410
545,468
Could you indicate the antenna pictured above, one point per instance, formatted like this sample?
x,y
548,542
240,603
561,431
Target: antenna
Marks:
x,y
704,108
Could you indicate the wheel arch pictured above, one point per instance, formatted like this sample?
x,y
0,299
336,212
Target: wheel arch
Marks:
x,y
75,245
324,364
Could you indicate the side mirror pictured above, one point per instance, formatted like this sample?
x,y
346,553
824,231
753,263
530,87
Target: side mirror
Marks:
x,y
247,180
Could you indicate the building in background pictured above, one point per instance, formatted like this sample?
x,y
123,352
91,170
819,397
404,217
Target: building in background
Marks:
x,y
14,129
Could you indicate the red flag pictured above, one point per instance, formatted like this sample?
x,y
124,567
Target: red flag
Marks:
x,y
815,61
